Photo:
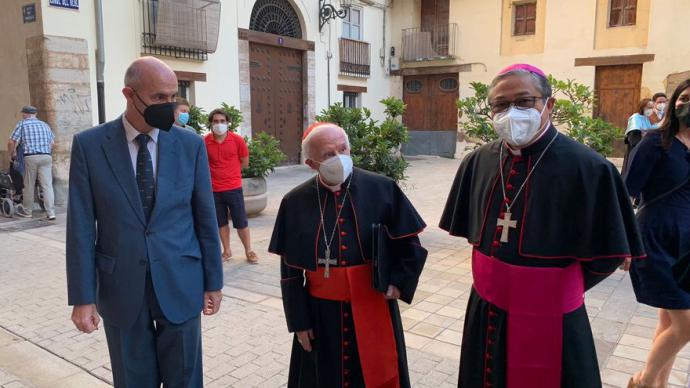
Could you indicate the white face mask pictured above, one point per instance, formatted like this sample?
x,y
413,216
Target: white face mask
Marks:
x,y
336,169
660,107
518,126
219,129
648,112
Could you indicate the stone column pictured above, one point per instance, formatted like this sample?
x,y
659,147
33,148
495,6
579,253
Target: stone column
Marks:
x,y
59,86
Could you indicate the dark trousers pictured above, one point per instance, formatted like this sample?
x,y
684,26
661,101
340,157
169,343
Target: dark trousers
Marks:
x,y
154,350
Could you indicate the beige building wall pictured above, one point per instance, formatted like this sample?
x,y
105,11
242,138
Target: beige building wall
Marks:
x,y
14,75
525,44
624,36
571,30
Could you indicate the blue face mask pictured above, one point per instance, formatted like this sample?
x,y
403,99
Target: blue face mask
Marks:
x,y
183,118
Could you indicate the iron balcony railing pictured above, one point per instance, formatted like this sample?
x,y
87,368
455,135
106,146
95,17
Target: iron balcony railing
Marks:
x,y
426,44
180,28
354,58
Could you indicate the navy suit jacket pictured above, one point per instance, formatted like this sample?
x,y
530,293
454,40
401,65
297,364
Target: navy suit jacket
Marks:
x,y
109,242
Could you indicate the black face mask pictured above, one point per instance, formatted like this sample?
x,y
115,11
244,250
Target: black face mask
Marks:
x,y
161,116
683,113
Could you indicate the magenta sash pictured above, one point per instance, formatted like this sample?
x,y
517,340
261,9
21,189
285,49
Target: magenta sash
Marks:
x,y
535,300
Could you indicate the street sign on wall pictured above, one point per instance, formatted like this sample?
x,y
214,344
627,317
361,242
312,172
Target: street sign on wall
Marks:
x,y
29,13
71,4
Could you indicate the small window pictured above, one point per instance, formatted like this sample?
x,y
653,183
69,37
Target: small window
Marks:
x,y
622,13
183,89
524,18
351,100
352,24
448,84
413,86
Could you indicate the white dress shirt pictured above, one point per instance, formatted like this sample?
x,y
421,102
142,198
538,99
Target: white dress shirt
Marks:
x,y
131,133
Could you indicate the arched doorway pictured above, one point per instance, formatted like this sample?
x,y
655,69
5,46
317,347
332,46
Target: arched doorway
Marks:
x,y
277,75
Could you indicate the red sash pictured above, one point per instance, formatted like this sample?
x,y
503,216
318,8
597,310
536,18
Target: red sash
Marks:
x,y
535,300
373,327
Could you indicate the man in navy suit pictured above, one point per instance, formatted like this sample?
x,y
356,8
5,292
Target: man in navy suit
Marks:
x,y
142,243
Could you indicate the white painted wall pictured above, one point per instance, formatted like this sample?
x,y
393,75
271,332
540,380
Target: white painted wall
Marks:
x,y
379,81
80,23
122,37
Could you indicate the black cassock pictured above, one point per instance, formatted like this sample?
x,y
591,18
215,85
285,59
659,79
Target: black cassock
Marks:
x,y
297,238
574,208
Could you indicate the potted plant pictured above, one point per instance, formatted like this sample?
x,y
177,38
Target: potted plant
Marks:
x,y
264,156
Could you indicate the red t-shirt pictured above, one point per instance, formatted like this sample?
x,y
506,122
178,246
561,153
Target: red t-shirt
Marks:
x,y
224,161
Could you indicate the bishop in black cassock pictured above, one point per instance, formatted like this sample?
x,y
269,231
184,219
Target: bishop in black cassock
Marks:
x,y
548,218
357,332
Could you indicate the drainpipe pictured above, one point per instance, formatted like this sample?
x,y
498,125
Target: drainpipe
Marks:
x,y
329,56
100,61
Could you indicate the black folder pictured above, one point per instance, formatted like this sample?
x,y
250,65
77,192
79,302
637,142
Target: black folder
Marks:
x,y
380,257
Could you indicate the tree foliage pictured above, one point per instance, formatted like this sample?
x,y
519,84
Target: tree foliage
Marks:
x,y
374,147
572,113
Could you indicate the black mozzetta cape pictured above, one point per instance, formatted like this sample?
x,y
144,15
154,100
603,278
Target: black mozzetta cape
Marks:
x,y
373,199
575,204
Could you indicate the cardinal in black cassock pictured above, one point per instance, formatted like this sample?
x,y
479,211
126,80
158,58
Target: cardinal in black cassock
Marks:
x,y
549,219
347,334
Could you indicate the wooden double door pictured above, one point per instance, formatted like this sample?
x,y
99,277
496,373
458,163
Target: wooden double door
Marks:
x,y
618,92
430,101
276,75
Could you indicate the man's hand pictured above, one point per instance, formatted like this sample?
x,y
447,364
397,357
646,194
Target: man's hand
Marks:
x,y
393,292
212,302
85,318
304,338
626,264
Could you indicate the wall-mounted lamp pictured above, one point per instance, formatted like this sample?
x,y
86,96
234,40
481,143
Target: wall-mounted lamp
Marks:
x,y
328,11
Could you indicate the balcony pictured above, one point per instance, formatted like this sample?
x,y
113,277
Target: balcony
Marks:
x,y
354,58
186,29
428,44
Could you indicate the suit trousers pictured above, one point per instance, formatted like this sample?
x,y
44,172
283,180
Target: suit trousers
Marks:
x,y
154,350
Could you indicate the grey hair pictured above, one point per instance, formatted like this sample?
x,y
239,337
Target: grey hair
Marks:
x,y
541,83
133,75
306,143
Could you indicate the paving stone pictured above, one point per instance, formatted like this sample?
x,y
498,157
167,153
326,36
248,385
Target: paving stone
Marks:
x,y
247,344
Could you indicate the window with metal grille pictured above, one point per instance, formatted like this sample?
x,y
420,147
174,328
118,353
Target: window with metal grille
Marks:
x,y
183,89
413,86
180,28
275,17
622,13
352,24
351,100
448,84
524,18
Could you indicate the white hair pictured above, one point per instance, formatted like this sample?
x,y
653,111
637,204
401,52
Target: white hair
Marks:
x,y
306,142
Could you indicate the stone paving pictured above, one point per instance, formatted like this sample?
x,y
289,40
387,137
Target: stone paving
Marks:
x,y
247,344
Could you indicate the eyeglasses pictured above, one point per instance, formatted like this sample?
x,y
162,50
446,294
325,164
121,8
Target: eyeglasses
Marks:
x,y
527,102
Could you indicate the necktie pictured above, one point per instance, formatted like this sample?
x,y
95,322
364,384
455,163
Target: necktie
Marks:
x,y
145,179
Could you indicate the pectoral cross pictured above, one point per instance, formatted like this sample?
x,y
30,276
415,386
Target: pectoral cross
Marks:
x,y
506,223
327,262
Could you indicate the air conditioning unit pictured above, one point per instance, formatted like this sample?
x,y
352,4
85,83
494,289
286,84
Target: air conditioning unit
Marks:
x,y
394,64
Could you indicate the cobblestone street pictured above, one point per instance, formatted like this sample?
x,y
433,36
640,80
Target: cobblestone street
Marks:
x,y
247,343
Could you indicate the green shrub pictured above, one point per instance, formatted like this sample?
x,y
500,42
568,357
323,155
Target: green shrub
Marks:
x,y
264,155
197,118
374,147
235,116
574,112
477,115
